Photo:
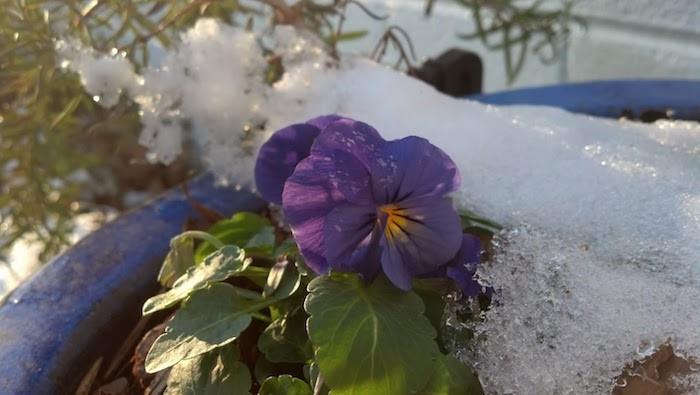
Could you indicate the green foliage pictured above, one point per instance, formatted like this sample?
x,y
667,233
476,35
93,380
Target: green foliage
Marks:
x,y
211,318
285,339
179,259
282,281
451,377
473,223
39,132
284,385
49,127
345,335
242,229
369,339
218,372
218,266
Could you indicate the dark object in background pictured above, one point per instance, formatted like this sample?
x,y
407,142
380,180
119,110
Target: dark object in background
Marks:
x,y
647,116
455,72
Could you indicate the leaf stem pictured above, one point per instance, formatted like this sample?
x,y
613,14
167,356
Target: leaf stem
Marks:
x,y
198,234
260,316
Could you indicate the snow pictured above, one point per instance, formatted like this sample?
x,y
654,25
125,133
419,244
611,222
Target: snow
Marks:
x,y
104,77
601,259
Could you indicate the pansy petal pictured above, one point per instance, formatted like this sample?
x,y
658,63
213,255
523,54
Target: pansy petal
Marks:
x,y
279,156
412,167
462,268
394,267
426,232
366,260
352,240
349,176
324,120
307,199
356,138
316,187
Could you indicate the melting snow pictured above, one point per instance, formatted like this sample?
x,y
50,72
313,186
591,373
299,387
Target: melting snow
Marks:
x,y
602,259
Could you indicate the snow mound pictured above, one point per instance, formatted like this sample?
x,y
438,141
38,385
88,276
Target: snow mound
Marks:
x,y
566,322
609,262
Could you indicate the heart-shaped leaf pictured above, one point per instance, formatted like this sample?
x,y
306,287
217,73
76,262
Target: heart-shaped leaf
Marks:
x,y
238,230
210,318
285,339
216,372
451,377
369,339
218,266
284,385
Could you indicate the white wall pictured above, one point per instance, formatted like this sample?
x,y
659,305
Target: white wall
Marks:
x,y
624,39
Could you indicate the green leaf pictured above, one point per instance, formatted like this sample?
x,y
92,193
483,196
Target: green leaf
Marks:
x,y
238,230
282,280
264,369
345,36
216,372
473,223
263,241
179,259
434,307
369,339
210,318
285,339
284,385
287,247
451,377
218,266
353,35
70,107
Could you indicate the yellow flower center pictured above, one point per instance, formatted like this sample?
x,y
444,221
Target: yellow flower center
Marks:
x,y
396,220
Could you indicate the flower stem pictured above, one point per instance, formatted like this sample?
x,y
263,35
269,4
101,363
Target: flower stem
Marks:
x,y
198,234
260,316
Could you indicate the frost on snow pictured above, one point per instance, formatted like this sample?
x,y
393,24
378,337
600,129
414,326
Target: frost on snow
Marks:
x,y
602,262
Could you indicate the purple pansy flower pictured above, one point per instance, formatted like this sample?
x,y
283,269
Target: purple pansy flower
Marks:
x,y
358,203
282,152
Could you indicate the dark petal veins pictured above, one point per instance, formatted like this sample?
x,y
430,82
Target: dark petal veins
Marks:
x,y
461,269
427,236
352,240
315,188
412,167
279,156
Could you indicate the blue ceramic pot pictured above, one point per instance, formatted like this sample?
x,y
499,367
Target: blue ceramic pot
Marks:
x,y
638,99
85,301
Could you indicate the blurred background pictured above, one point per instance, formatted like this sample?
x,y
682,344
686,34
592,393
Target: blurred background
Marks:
x,y
67,164
617,39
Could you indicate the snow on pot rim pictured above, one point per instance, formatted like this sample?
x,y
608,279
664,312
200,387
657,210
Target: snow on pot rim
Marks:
x,y
86,300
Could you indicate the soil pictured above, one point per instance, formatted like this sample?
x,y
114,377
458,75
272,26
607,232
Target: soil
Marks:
x,y
662,373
